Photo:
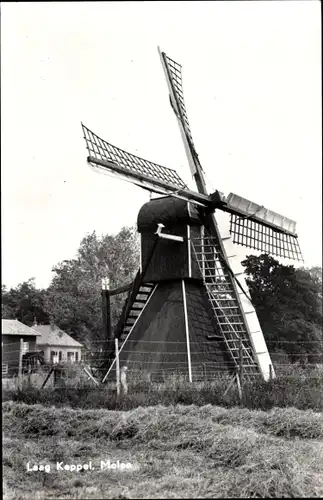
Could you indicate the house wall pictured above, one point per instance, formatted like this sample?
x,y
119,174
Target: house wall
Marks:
x,y
11,348
60,349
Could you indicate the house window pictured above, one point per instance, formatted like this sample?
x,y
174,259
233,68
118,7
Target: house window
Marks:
x,y
25,347
71,357
54,356
76,356
4,369
60,355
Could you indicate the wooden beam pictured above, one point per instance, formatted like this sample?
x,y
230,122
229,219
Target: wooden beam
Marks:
x,y
202,199
121,289
90,376
48,375
106,313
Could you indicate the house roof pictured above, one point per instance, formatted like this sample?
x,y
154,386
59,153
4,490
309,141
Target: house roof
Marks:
x,y
52,335
15,327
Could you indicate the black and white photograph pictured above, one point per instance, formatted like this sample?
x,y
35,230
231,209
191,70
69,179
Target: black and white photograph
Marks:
x,y
161,167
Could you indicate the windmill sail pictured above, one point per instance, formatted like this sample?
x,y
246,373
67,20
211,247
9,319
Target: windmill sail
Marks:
x,y
98,149
249,209
173,74
256,227
144,173
260,237
251,225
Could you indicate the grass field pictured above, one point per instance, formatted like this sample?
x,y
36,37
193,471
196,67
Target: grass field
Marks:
x,y
175,451
302,390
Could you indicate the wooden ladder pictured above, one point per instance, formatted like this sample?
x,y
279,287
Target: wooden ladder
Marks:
x,y
231,304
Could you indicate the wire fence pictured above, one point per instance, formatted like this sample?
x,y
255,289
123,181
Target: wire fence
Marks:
x,y
156,361
81,378
280,347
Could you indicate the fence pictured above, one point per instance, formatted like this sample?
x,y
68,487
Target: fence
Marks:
x,y
307,357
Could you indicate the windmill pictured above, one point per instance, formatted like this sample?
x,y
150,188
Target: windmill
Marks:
x,y
189,305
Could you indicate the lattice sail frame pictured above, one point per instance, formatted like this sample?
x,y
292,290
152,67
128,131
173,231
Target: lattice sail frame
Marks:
x,y
173,74
259,237
99,149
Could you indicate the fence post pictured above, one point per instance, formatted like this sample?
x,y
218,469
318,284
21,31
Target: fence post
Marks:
x,y
106,315
270,372
117,366
240,372
230,384
123,380
21,348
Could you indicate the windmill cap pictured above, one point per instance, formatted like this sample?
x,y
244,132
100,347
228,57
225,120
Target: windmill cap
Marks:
x,y
168,211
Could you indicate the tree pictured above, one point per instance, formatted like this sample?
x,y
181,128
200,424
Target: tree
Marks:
x,y
289,306
6,310
73,299
25,303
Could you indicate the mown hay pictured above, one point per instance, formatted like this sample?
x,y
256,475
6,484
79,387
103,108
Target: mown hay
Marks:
x,y
178,452
156,421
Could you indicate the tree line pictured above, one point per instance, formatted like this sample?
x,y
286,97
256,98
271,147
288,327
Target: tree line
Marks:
x,y
288,301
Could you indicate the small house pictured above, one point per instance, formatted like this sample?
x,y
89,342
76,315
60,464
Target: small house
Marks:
x,y
16,337
57,345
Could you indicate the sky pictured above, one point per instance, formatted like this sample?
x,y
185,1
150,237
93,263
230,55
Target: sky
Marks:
x,y
252,86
